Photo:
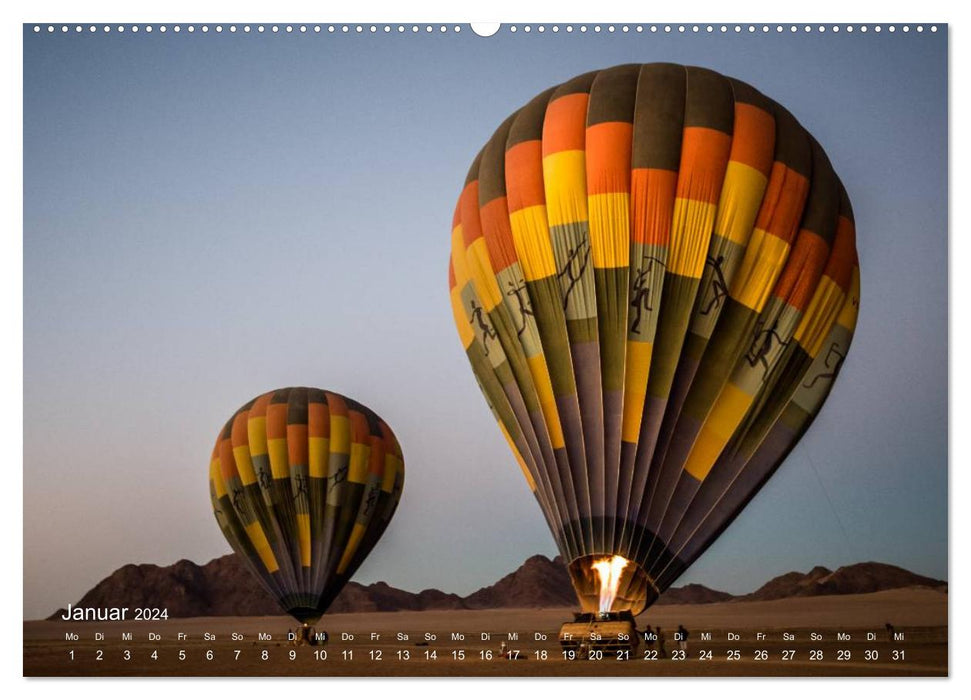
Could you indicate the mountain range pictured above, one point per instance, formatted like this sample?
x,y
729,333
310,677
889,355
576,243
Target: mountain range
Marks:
x,y
225,587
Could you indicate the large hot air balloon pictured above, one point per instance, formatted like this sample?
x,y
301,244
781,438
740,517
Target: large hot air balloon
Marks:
x,y
303,484
654,276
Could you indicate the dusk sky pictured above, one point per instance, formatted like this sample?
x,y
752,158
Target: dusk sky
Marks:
x,y
208,217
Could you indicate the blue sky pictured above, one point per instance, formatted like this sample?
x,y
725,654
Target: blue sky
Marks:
x,y
207,217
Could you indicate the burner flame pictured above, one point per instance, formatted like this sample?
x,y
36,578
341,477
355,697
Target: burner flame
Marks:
x,y
609,571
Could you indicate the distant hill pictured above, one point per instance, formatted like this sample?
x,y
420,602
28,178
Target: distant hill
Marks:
x,y
866,577
185,589
380,597
692,594
225,587
539,583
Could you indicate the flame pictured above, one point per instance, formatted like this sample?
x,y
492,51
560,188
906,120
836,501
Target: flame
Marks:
x,y
609,571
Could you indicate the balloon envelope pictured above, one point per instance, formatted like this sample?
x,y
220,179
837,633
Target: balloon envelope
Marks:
x,y
303,484
654,276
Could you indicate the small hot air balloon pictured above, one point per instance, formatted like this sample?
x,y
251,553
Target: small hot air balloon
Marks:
x,y
654,276
303,484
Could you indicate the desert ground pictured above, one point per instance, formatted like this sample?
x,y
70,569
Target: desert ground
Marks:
x,y
745,639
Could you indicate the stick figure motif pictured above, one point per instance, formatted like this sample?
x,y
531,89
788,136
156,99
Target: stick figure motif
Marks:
x,y
576,264
238,503
641,297
719,287
479,318
339,476
302,484
372,498
833,369
265,479
762,341
522,301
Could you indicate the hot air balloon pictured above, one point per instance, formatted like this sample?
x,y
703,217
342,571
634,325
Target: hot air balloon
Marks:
x,y
654,276
303,484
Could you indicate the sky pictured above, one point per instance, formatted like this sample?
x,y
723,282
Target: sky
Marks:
x,y
208,217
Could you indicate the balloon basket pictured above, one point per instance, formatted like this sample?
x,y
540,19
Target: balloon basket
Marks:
x,y
594,635
307,635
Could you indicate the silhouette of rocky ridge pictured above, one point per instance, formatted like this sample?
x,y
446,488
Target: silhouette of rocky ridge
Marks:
x,y
692,594
538,583
865,577
225,587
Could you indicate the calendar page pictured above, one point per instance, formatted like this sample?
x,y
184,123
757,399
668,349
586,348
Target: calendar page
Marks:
x,y
521,349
